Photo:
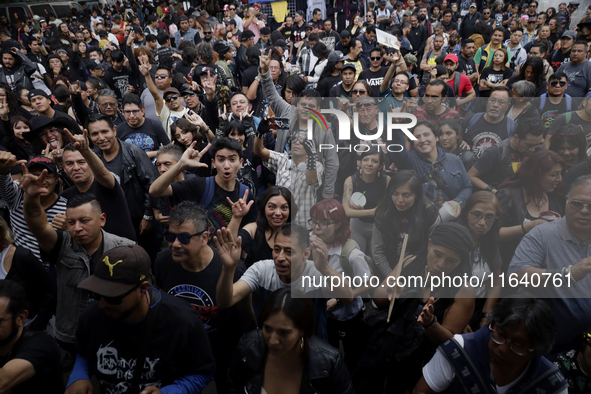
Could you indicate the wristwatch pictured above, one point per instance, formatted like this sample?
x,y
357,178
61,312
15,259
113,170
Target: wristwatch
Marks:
x,y
148,218
489,188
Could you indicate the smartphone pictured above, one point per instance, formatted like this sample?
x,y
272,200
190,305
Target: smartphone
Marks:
x,y
278,123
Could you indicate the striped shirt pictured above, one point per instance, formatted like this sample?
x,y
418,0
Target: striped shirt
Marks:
x,y
13,196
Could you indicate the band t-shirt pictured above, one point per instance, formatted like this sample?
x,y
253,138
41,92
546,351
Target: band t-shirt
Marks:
x,y
149,136
482,135
374,79
551,111
494,76
178,345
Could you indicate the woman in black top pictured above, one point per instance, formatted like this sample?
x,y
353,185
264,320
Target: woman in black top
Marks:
x,y
496,74
536,187
275,208
330,76
16,144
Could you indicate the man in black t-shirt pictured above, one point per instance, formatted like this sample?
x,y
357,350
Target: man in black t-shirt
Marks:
x,y
136,337
343,88
466,63
190,270
329,37
374,76
90,175
144,132
504,159
554,102
212,193
28,358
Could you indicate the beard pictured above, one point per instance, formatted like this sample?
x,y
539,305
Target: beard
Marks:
x,y
422,18
10,337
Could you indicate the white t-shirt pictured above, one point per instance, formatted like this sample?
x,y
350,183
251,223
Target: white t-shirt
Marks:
x,y
439,373
167,117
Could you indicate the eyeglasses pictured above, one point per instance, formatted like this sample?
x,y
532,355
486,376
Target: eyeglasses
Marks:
x,y
7,319
359,92
486,13
400,81
113,300
376,58
232,9
497,101
487,218
183,238
578,205
161,76
170,98
556,83
132,111
206,32
275,68
321,225
517,348
300,137
107,105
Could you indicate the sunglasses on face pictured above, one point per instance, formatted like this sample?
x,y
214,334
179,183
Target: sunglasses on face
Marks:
x,y
556,83
358,92
184,238
163,76
189,94
232,9
376,58
170,98
206,32
113,300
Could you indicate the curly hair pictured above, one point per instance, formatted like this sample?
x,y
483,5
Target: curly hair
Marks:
x,y
205,53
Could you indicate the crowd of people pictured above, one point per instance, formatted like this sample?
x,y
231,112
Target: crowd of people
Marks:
x,y
176,177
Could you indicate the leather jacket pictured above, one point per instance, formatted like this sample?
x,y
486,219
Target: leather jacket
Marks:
x,y
325,371
137,175
20,73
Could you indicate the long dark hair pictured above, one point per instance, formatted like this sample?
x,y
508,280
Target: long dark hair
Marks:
x,y
389,220
10,97
298,309
488,242
11,140
238,126
262,222
530,173
328,69
572,134
537,66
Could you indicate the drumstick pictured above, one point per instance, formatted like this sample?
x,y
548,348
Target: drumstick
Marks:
x,y
397,271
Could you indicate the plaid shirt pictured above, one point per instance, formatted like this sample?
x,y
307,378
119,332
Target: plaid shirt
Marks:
x,y
306,60
294,179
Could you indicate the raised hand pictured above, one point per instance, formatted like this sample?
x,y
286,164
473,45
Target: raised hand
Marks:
x,y
196,120
310,147
75,88
229,249
263,126
33,184
222,115
191,157
240,208
264,63
426,316
59,222
80,142
209,84
320,252
8,160
246,114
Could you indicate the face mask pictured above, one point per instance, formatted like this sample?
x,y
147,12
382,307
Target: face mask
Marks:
x,y
452,43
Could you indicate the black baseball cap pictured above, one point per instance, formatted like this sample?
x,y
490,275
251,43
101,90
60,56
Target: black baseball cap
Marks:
x,y
43,162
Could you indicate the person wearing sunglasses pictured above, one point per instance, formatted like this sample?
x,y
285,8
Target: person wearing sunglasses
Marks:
x,y
374,76
133,334
555,101
189,270
507,352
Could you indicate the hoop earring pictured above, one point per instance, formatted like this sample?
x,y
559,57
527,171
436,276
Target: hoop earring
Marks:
x,y
302,343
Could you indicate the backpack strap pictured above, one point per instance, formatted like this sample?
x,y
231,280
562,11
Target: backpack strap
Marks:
x,y
568,116
542,101
457,83
243,189
510,127
473,121
569,102
465,370
207,196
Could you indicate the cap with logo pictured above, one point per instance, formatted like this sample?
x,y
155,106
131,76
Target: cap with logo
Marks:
x,y
119,271
94,64
347,66
532,19
38,92
165,10
43,162
309,25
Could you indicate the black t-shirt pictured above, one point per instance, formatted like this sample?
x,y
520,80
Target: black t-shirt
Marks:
x,y
326,83
113,204
149,136
199,290
118,80
339,91
219,210
41,350
558,58
466,65
572,118
73,127
298,33
176,345
551,111
116,165
482,135
330,40
495,172
451,27
374,79
494,76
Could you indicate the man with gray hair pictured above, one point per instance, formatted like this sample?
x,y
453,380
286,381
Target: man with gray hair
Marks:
x,y
508,352
561,248
107,105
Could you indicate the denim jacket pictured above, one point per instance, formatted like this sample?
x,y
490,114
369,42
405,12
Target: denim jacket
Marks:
x,y
189,36
453,172
73,266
